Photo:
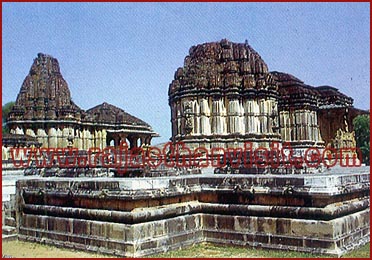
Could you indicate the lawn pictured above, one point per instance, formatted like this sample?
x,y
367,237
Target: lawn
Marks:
x,y
211,250
22,249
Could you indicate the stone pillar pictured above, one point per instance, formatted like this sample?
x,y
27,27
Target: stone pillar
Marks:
x,y
285,127
98,139
4,153
90,143
135,141
317,133
174,121
188,117
223,117
42,137
302,125
76,138
262,116
65,134
205,126
84,139
52,138
59,137
19,131
273,116
218,117
122,138
313,126
308,126
92,139
142,140
256,112
249,116
30,132
241,118
234,117
304,135
316,128
87,142
292,128
132,141
298,125
79,142
214,116
179,119
196,112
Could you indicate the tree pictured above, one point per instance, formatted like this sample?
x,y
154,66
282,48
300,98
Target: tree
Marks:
x,y
361,128
6,109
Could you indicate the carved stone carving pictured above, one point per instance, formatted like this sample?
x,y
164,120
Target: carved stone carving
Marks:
x,y
45,100
246,102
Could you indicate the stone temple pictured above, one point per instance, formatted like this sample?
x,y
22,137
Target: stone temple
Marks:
x,y
44,109
225,95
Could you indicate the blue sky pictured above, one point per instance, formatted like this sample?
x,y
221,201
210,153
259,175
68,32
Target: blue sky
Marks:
x,y
127,53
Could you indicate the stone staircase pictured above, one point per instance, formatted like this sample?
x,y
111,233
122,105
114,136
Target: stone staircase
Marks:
x,y
9,230
9,233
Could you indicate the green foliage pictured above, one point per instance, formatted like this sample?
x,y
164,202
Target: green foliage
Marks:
x,y
5,112
361,128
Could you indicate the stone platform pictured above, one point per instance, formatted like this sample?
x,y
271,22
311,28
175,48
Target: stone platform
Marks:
x,y
318,213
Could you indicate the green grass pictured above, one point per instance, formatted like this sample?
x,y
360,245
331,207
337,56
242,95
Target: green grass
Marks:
x,y
211,250
363,252
36,250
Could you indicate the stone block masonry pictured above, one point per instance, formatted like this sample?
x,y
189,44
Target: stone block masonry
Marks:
x,y
321,213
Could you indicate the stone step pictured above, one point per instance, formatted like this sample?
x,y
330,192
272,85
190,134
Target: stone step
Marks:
x,y
9,237
10,221
8,230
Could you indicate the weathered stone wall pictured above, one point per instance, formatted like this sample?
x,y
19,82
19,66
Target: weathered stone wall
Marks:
x,y
320,213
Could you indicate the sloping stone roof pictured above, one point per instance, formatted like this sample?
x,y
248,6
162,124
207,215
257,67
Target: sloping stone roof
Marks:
x,y
332,95
293,90
110,114
285,78
290,86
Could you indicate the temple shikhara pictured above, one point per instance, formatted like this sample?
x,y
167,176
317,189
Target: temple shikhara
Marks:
x,y
225,95
44,109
